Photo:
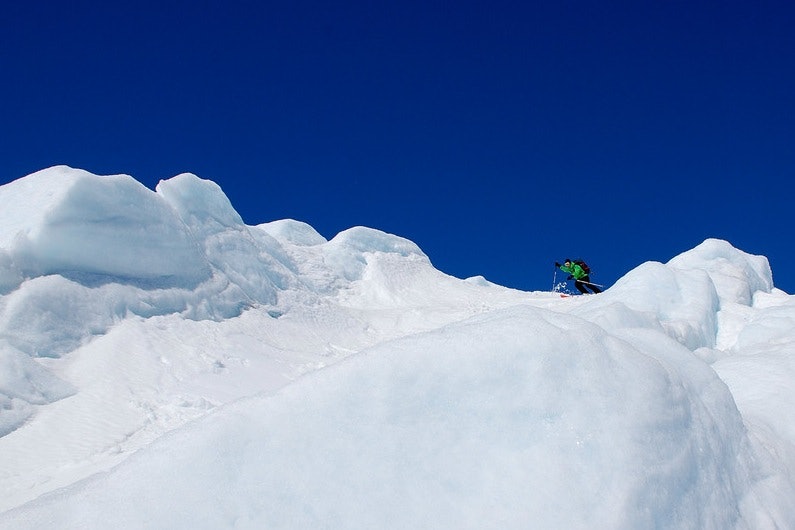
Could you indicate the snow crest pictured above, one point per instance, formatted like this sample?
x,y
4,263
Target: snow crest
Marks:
x,y
81,253
83,225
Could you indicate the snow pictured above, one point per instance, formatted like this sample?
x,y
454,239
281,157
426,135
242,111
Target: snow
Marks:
x,y
67,222
165,365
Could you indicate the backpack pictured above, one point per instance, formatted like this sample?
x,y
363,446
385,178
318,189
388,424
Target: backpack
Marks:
x,y
584,266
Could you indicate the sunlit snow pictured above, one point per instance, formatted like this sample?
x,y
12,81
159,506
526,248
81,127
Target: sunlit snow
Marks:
x,y
164,365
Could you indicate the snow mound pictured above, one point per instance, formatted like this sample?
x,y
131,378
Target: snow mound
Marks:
x,y
293,232
347,252
737,276
489,423
198,202
479,280
23,384
687,295
78,224
80,253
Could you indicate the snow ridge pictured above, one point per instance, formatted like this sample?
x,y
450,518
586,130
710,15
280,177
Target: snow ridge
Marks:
x,y
241,376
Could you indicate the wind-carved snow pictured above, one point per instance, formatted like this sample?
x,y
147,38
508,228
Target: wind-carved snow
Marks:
x,y
154,335
76,224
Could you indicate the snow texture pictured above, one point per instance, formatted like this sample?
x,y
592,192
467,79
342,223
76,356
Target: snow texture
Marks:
x,y
165,365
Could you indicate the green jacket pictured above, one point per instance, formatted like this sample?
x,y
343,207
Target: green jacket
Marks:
x,y
575,270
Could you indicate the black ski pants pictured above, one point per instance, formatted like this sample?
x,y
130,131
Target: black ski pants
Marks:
x,y
583,285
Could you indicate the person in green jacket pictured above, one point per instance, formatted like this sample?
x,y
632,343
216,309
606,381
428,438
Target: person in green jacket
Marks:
x,y
579,275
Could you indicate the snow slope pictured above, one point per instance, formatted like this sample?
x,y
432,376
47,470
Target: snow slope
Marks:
x,y
164,365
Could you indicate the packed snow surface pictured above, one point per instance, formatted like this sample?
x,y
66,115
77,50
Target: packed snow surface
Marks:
x,y
164,365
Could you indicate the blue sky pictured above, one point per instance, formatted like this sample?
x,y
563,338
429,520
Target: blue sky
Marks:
x,y
498,136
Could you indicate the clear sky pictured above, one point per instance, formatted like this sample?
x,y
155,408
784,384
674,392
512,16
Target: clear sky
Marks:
x,y
498,136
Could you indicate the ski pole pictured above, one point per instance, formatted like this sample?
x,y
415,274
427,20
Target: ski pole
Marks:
x,y
589,283
554,279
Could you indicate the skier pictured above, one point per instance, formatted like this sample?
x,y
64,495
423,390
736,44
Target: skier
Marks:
x,y
579,274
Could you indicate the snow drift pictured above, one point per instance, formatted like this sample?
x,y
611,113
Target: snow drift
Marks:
x,y
265,377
